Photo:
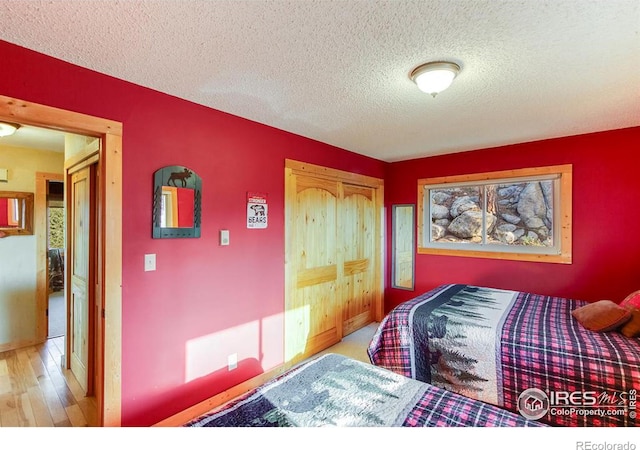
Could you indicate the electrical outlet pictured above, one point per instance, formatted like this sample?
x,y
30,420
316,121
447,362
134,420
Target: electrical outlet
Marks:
x,y
149,262
224,237
232,361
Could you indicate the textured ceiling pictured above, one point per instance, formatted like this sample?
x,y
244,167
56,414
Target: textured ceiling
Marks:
x,y
337,71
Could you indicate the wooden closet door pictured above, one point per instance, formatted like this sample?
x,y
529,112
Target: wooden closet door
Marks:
x,y
313,319
333,256
357,230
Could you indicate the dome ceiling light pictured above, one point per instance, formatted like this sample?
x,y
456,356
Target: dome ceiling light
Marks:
x,y
7,129
434,77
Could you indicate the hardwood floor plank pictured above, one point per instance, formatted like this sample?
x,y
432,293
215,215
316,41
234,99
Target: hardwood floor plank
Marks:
x,y
36,362
64,393
5,379
64,423
54,350
89,408
58,380
59,344
56,409
18,382
8,412
76,417
24,411
47,358
3,365
39,407
74,386
36,391
27,374
5,384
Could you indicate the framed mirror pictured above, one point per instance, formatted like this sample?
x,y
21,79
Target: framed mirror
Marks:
x,y
403,243
177,192
16,213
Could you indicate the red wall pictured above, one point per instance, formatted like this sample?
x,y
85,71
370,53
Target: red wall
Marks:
x,y
204,301
4,212
606,245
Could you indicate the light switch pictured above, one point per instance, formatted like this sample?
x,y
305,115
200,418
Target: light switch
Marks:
x,y
149,262
224,237
232,361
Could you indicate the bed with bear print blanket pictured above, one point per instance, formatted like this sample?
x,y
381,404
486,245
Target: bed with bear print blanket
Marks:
x,y
336,391
520,351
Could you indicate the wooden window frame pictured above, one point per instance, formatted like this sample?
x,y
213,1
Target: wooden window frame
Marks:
x,y
562,214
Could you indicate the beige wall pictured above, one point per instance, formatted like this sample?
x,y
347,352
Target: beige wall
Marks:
x,y
76,143
18,253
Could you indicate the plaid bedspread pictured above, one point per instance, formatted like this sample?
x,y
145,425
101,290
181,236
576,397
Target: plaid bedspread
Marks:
x,y
550,367
333,390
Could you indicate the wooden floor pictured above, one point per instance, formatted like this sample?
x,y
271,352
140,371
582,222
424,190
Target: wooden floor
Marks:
x,y
36,392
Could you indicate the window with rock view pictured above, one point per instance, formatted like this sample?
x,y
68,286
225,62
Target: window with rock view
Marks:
x,y
522,214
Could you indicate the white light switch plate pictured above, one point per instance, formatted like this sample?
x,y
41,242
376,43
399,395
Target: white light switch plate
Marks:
x,y
149,262
224,237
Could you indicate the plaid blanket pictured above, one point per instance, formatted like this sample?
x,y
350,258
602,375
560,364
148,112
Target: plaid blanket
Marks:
x,y
334,390
549,367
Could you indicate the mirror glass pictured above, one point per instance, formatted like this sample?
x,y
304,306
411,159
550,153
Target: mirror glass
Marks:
x,y
177,207
176,203
16,213
403,265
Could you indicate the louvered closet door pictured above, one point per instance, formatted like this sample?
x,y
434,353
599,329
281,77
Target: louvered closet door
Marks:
x,y
313,318
358,236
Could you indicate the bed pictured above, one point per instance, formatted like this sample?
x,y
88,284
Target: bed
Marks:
x,y
520,351
337,391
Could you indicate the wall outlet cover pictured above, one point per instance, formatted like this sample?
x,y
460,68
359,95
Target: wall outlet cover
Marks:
x,y
224,237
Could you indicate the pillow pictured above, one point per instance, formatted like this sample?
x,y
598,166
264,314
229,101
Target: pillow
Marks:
x,y
601,316
631,329
631,301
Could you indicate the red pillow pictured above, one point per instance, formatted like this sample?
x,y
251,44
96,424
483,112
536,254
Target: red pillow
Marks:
x,y
632,327
632,300
601,316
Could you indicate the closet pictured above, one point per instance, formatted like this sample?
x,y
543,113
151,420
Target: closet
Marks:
x,y
333,256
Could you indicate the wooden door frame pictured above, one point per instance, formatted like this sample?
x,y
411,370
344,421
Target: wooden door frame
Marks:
x,y
293,167
109,276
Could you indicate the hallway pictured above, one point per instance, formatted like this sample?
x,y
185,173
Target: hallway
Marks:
x,y
57,315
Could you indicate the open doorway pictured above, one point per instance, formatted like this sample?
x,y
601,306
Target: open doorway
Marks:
x,y
57,308
109,238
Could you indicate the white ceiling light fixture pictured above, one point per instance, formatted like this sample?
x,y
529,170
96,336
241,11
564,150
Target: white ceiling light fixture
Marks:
x,y
435,77
7,129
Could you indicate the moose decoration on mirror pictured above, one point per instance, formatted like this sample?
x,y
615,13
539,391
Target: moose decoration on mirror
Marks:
x,y
177,192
